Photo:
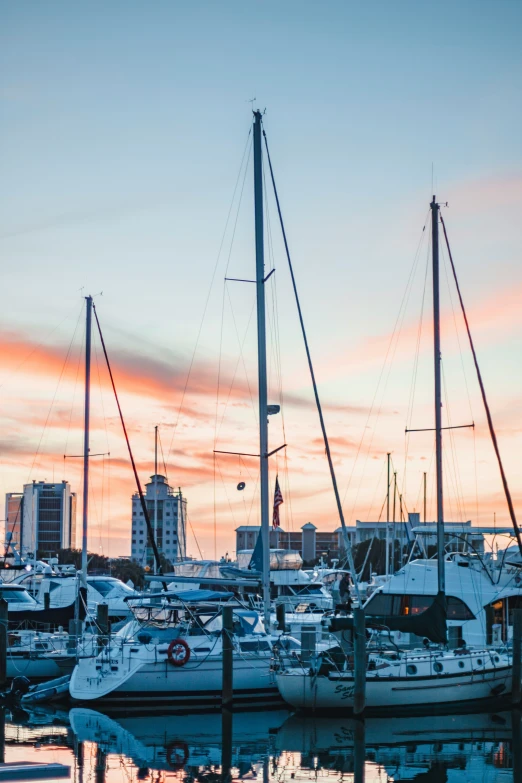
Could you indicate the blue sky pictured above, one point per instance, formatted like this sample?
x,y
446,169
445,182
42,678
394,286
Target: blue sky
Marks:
x,y
123,127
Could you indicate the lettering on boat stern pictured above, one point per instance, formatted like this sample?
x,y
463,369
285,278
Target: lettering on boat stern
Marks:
x,y
346,691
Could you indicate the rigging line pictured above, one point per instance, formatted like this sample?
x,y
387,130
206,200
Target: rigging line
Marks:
x,y
411,402
101,394
163,456
241,344
228,501
402,315
484,399
383,367
54,395
377,485
458,480
208,294
36,347
225,288
80,354
252,500
312,374
195,537
456,331
150,531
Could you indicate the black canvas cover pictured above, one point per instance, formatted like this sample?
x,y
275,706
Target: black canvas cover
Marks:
x,y
431,623
55,616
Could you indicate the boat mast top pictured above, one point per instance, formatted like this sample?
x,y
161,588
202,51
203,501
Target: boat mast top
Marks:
x,y
438,397
261,361
156,489
87,411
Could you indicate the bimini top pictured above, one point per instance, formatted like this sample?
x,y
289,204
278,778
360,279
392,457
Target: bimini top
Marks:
x,y
186,596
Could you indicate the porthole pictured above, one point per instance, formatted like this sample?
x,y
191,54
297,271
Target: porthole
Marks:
x,y
461,664
497,659
479,661
438,667
411,669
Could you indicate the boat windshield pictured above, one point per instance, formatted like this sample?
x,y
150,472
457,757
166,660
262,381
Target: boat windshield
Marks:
x,y
245,623
15,595
106,586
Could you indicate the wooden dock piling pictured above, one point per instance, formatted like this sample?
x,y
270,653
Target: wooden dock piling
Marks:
x,y
516,689
102,622
359,696
227,696
3,642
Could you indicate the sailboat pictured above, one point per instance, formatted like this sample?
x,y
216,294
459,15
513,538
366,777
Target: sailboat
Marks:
x,y
172,651
396,679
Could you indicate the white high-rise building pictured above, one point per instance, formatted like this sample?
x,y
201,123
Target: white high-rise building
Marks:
x,y
42,518
171,515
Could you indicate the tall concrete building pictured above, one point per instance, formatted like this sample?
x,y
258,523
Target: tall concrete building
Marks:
x,y
170,522
42,518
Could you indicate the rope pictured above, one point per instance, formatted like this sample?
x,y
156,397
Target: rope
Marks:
x,y
314,384
138,484
484,399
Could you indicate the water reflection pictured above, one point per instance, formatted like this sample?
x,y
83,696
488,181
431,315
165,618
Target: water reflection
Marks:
x,y
268,746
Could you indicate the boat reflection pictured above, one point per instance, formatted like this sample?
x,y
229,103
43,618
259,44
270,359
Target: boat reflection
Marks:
x,y
472,746
181,742
274,746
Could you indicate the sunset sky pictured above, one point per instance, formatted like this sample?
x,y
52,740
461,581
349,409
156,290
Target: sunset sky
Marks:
x,y
124,131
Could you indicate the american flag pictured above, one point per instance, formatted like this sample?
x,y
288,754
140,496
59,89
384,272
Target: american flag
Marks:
x,y
278,499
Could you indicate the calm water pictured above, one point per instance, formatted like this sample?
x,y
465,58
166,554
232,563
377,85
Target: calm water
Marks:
x,y
268,746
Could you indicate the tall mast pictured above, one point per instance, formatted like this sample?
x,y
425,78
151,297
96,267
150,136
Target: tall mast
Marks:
x,y
261,361
424,482
388,519
88,318
156,488
438,399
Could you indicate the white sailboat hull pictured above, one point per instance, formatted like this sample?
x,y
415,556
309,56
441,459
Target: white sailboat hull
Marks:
x,y
303,691
198,683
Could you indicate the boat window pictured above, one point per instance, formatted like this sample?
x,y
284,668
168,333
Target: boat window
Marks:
x,y
17,596
411,669
407,605
106,586
479,661
257,645
461,664
437,667
457,609
308,589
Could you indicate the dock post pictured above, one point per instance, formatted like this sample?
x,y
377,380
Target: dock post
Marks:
x,y
489,612
359,695
102,622
359,750
516,689
516,743
75,631
226,744
281,617
3,642
227,695
308,640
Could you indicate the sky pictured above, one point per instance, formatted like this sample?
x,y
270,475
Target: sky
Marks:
x,y
127,174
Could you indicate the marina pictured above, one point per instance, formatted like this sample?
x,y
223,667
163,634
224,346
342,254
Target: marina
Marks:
x,y
260,407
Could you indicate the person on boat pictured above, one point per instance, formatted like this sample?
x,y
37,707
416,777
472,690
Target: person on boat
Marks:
x,y
344,592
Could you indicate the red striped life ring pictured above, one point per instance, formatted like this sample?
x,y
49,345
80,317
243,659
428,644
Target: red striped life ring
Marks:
x,y
178,652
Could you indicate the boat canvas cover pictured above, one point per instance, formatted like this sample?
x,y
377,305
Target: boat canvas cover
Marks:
x,y
431,623
55,616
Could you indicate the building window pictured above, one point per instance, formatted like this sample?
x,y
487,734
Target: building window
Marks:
x,y
167,513
141,541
